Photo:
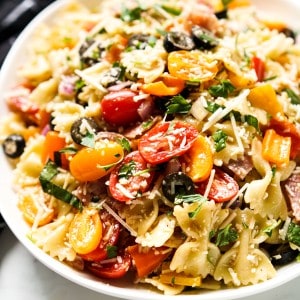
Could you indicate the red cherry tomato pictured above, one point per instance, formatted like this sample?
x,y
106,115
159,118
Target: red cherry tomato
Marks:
x,y
259,67
120,108
166,140
117,268
110,235
223,188
131,178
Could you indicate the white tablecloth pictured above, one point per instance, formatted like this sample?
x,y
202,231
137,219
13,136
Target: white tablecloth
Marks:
x,y
23,277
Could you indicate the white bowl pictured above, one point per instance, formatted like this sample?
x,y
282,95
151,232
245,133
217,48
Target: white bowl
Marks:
x,y
286,10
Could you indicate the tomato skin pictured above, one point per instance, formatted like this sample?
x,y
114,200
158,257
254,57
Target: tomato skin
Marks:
x,y
155,146
112,270
259,67
119,107
85,231
223,188
135,183
110,235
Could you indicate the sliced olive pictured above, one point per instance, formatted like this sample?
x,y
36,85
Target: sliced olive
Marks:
x,y
82,127
203,38
174,41
112,76
14,145
283,255
141,41
89,57
289,33
176,184
222,14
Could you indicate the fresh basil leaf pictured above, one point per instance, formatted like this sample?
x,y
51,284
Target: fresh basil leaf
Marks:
x,y
189,199
223,89
112,251
212,107
48,173
129,15
124,143
293,234
252,121
295,99
127,170
226,236
178,105
220,138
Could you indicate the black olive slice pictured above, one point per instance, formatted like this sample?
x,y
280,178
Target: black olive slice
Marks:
x,y
174,41
283,255
289,33
203,38
81,127
177,184
14,145
222,14
112,77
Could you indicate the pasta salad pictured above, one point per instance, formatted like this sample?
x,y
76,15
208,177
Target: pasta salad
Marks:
x,y
160,141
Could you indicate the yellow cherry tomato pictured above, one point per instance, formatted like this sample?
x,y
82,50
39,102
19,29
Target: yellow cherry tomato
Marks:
x,y
90,164
85,232
192,65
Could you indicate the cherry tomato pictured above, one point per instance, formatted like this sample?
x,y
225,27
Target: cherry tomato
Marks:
x,y
131,178
120,108
259,67
166,140
110,270
191,65
90,164
85,231
110,235
223,188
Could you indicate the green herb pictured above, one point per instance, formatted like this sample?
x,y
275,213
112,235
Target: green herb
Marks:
x,y
48,173
270,78
212,233
173,280
171,10
213,107
147,124
88,140
79,84
127,169
226,2
226,236
295,99
189,199
293,234
274,169
69,150
124,143
220,138
252,121
179,105
161,31
298,258
129,15
152,41
223,89
112,251
268,230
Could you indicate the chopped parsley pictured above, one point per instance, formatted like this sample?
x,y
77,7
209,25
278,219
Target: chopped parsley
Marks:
x,y
112,251
79,84
220,138
193,198
179,105
212,106
295,99
226,236
127,169
269,229
293,234
252,121
223,89
124,143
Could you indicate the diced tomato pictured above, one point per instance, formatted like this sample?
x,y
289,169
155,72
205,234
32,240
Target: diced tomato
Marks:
x,y
166,140
133,175
259,67
120,107
223,188
114,269
110,235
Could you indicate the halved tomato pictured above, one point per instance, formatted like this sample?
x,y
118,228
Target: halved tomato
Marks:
x,y
166,140
223,188
131,178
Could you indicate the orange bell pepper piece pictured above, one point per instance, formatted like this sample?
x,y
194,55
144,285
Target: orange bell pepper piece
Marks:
x,y
199,160
167,85
53,144
147,260
238,3
276,148
264,97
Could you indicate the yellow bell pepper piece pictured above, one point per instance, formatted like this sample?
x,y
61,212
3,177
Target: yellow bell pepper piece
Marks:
x,y
180,279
